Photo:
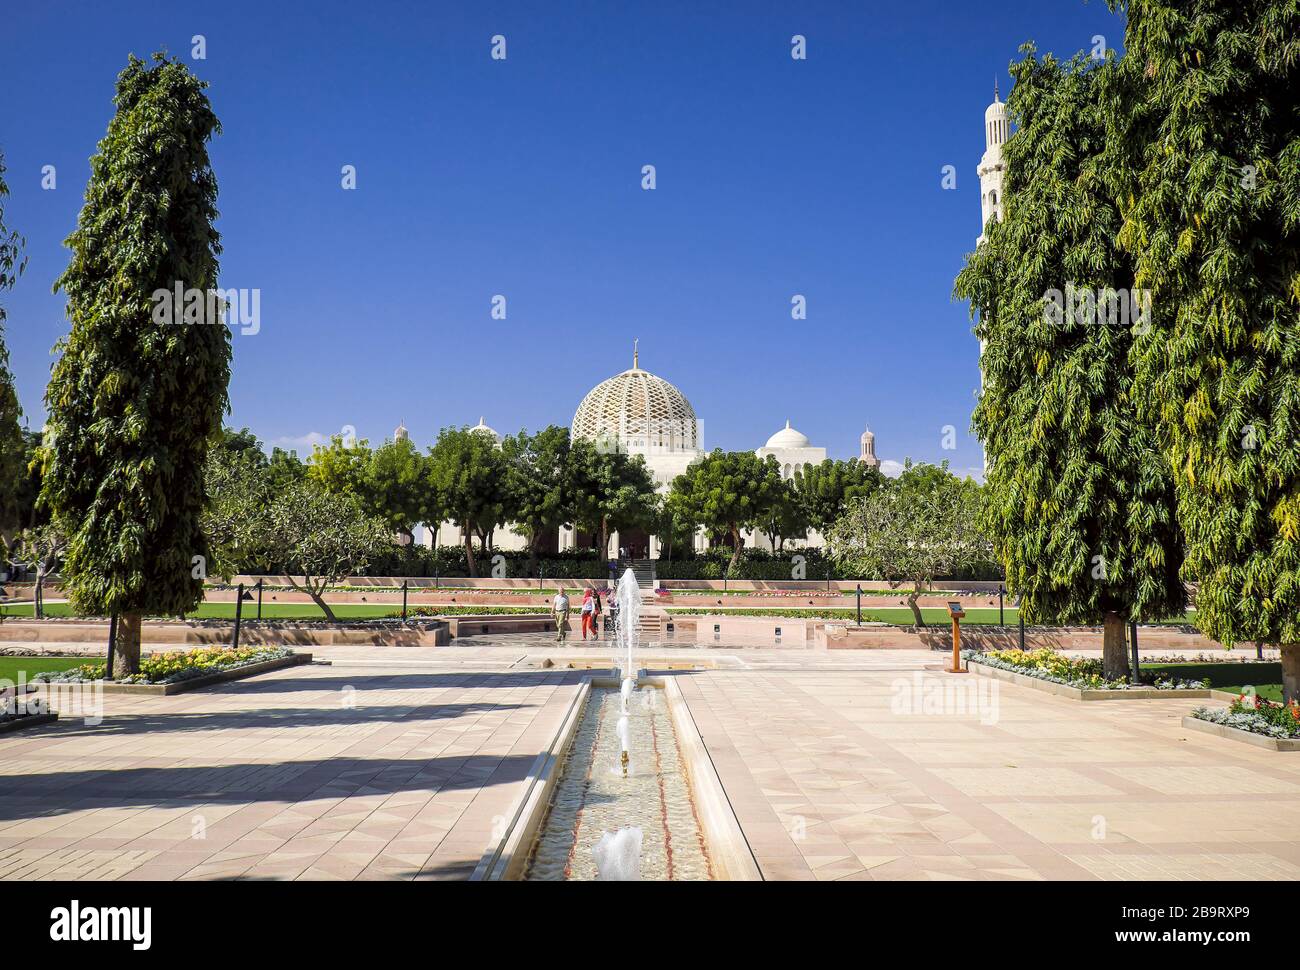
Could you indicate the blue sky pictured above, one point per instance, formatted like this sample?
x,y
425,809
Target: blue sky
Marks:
x,y
522,177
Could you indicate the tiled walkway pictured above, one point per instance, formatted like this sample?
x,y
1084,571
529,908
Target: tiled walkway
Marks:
x,y
832,776
400,764
311,772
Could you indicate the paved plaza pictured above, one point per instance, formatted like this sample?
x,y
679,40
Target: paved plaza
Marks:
x,y
401,763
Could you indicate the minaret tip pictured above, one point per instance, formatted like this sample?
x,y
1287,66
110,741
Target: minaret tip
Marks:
x,y
635,354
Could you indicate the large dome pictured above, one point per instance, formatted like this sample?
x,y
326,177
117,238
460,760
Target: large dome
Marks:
x,y
637,412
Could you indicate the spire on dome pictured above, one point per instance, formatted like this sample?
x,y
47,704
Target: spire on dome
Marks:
x,y
996,99
635,356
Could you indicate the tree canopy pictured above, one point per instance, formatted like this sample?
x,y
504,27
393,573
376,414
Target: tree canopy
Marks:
x,y
727,491
133,403
921,526
1080,501
1206,154
538,475
467,476
13,450
824,489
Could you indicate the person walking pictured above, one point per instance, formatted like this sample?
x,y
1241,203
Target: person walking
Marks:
x,y
588,614
595,614
560,610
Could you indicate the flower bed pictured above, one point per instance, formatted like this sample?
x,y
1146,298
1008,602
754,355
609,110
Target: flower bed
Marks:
x,y
173,666
1084,673
470,611
1265,717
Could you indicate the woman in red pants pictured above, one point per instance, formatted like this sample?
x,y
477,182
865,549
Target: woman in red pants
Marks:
x,y
588,615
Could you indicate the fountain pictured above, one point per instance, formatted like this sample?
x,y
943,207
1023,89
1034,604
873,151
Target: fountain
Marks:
x,y
624,739
609,822
618,855
625,634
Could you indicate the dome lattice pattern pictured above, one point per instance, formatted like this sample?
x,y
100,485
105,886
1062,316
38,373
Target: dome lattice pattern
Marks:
x,y
639,412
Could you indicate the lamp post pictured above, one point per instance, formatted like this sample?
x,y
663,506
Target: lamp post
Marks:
x,y
1002,620
259,598
404,586
1137,664
239,612
112,645
859,604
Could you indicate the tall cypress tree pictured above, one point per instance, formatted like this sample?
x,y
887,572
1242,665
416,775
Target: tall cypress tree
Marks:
x,y
1080,503
1207,140
134,401
13,471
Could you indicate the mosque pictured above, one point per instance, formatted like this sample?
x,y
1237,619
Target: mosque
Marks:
x,y
642,414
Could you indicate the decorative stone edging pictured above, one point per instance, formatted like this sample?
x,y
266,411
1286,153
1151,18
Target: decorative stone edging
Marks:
x,y
725,840
1238,735
31,720
1084,694
192,683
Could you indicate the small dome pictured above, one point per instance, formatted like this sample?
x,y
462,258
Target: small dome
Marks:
x,y
788,437
482,428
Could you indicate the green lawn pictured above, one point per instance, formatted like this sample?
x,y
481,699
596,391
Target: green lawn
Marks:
x,y
11,667
226,611
1265,677
898,615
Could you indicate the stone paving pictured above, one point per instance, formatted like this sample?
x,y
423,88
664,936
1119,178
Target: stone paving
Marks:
x,y
402,764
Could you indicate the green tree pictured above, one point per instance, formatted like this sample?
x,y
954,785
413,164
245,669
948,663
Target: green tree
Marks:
x,y
785,516
30,511
284,468
396,489
239,491
13,451
1080,500
824,489
1206,137
920,527
467,478
320,537
340,467
610,490
727,491
133,403
538,472
42,547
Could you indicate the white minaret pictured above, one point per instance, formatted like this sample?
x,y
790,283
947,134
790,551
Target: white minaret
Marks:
x,y
868,455
996,131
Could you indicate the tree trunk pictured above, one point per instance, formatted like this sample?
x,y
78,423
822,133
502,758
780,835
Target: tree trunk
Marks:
x,y
917,616
532,553
126,647
735,549
324,607
1114,655
468,529
604,537
1291,673
38,599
